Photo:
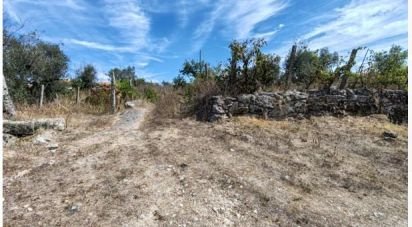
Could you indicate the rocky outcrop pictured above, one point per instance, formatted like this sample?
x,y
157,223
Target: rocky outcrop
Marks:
x,y
25,128
279,105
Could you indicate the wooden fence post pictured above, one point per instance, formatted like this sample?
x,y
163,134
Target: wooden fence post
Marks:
x,y
78,95
41,95
113,94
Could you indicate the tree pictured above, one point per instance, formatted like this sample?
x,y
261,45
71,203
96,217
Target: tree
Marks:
x,y
328,63
29,63
195,69
86,76
127,74
390,68
345,71
303,66
290,71
179,82
249,68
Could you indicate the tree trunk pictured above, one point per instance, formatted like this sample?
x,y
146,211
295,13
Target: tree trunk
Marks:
x,y
291,66
8,105
347,69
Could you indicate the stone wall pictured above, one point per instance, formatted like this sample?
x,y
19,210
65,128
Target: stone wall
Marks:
x,y
278,105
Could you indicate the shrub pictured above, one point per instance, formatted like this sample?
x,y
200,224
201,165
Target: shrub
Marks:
x,y
149,93
127,92
168,104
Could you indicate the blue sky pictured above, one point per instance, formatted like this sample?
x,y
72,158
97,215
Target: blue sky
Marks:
x,y
156,36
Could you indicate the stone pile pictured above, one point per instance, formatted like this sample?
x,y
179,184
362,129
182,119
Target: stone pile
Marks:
x,y
278,105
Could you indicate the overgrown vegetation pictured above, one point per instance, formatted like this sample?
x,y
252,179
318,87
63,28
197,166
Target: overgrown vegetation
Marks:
x,y
30,62
249,70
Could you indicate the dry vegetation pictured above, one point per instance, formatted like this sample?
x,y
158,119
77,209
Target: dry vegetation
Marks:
x,y
108,170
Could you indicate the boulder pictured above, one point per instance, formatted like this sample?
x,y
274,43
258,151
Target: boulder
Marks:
x,y
26,128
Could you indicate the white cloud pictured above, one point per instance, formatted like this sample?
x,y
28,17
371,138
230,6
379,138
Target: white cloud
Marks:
x,y
244,16
131,22
238,19
98,46
361,23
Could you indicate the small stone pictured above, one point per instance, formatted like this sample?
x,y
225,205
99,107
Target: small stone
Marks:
x,y
53,146
378,214
129,105
30,209
389,135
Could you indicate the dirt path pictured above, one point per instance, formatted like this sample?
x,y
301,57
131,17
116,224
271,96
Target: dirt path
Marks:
x,y
87,181
244,172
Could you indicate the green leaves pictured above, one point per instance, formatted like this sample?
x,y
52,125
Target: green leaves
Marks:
x,y
30,62
86,77
389,68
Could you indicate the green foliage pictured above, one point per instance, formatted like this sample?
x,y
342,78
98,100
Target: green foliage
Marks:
x,y
312,66
127,73
150,94
29,63
179,82
249,68
86,76
390,68
195,69
126,91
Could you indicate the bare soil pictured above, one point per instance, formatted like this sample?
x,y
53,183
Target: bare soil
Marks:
x,y
127,170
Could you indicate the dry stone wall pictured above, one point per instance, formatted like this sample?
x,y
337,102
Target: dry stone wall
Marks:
x,y
278,105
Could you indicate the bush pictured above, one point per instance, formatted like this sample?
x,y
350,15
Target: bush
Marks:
x,y
168,104
100,99
198,93
149,93
127,92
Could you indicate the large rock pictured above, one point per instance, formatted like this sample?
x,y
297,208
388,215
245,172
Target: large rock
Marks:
x,y
277,105
25,128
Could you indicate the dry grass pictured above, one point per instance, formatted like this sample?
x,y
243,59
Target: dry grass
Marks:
x,y
323,171
169,104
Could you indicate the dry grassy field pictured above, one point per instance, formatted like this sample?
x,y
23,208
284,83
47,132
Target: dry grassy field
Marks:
x,y
126,170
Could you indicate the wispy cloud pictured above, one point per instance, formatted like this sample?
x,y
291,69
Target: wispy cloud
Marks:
x,y
244,16
238,19
98,46
269,34
360,23
132,23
